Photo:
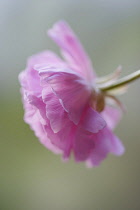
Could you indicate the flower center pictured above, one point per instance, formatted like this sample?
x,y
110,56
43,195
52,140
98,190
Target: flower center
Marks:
x,y
98,100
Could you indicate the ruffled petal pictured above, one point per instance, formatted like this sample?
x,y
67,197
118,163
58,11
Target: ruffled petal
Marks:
x,y
39,105
72,49
34,118
70,88
29,78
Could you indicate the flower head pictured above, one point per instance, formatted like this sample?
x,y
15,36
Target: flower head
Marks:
x,y
67,106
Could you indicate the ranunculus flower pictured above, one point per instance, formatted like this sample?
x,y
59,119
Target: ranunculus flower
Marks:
x,y
66,105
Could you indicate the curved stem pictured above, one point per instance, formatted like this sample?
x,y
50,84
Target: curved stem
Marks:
x,y
120,82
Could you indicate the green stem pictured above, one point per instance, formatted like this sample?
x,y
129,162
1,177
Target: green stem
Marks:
x,y
120,82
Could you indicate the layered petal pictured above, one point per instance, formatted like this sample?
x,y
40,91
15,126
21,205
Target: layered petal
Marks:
x,y
83,144
54,110
38,105
72,49
62,139
33,116
73,92
29,78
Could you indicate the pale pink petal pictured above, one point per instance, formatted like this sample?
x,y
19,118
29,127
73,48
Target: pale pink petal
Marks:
x,y
72,91
72,49
112,116
47,57
117,147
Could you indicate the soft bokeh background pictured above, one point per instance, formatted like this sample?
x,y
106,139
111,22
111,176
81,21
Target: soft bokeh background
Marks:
x,y
31,177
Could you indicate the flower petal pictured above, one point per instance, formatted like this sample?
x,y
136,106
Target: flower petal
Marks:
x,y
92,121
105,142
112,116
62,139
54,110
117,147
29,78
72,91
83,145
72,49
34,119
38,104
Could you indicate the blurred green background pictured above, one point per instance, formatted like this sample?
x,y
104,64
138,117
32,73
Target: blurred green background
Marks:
x,y
31,177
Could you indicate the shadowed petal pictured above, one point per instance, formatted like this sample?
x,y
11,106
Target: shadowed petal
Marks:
x,y
82,146
84,142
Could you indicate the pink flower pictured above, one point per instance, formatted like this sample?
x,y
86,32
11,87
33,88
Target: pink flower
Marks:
x,y
64,104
